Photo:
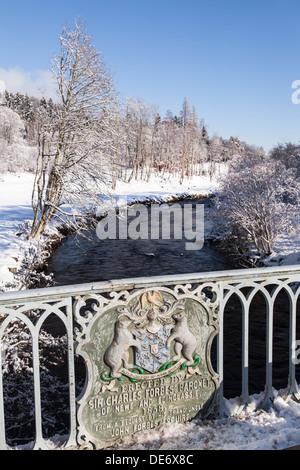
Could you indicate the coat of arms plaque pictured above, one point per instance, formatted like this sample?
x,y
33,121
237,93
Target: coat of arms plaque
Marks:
x,y
148,361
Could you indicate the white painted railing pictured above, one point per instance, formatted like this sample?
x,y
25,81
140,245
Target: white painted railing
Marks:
x,y
62,301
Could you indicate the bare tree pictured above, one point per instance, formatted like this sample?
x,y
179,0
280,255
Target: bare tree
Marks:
x,y
73,166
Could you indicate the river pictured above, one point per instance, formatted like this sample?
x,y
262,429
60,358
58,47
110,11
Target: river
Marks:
x,y
79,260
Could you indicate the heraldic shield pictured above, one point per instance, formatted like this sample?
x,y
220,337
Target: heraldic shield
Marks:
x,y
154,351
146,330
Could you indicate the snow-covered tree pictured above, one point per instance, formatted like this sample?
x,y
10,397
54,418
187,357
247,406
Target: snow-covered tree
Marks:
x,y
257,203
11,126
15,153
288,154
72,146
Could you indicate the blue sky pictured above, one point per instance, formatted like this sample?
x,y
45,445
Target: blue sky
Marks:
x,y
235,61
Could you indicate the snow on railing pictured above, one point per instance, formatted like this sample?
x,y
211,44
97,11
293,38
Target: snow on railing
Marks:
x,y
213,289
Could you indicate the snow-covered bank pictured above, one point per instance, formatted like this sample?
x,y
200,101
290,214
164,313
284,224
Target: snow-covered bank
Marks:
x,y
16,212
16,215
286,250
20,257
165,189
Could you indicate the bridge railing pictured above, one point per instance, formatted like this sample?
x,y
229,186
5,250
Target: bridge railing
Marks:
x,y
215,287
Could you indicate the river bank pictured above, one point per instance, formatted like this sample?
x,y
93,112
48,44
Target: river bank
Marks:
x,y
19,253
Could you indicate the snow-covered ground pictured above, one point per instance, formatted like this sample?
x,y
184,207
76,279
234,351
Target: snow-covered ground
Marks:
x,y
251,430
163,189
15,210
277,429
286,250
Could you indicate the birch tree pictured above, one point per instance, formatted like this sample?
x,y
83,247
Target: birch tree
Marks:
x,y
72,167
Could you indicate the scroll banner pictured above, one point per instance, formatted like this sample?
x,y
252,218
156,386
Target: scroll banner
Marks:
x,y
158,375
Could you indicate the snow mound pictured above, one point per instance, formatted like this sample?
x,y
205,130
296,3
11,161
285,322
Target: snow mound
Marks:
x,y
251,430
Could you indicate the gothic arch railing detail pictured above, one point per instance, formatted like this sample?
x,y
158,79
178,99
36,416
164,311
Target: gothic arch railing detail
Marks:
x,y
290,284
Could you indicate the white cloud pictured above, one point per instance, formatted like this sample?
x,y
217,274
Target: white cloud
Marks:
x,y
38,83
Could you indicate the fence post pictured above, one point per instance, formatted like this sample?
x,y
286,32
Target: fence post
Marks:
x,y
245,353
72,441
292,385
269,395
3,445
220,360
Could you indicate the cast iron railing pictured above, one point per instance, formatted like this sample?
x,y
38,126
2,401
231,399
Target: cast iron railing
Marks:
x,y
215,288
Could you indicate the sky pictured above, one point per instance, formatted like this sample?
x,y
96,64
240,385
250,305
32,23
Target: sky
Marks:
x,y
234,61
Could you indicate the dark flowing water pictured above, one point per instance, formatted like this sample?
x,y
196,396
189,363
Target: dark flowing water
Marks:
x,y
78,260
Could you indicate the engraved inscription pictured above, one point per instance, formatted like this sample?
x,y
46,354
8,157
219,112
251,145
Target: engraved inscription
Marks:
x,y
148,363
